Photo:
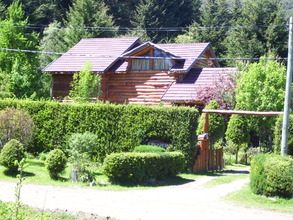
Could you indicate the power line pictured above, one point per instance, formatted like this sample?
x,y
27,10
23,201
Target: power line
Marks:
x,y
139,57
158,29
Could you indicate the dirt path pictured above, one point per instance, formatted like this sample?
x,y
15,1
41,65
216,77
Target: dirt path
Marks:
x,y
188,201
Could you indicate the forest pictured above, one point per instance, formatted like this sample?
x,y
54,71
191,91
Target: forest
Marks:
x,y
34,33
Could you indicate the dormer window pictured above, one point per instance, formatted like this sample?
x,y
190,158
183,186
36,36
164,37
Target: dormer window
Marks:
x,y
159,61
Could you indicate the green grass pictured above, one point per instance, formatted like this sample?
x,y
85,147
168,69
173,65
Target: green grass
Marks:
x,y
247,198
36,173
225,179
25,212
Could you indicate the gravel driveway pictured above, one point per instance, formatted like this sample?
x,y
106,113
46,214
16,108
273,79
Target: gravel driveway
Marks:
x,y
187,201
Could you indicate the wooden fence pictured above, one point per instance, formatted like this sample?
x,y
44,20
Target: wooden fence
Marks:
x,y
208,159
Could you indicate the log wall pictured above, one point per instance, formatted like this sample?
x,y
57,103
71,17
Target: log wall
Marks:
x,y
61,85
136,87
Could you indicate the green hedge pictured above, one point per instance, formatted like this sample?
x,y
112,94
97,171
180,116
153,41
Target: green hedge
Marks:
x,y
119,127
278,135
148,149
272,175
140,167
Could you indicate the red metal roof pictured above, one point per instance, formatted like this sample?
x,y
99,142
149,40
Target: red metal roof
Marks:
x,y
101,52
197,78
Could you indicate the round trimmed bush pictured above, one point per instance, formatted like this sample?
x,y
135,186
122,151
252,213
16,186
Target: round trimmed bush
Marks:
x,y
12,151
56,163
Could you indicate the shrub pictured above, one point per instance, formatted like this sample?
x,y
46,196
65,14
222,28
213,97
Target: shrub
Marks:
x,y
85,143
257,175
11,152
119,127
55,163
278,135
272,175
140,167
15,124
216,123
148,148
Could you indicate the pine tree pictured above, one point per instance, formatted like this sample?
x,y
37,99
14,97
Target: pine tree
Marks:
x,y
160,14
81,22
211,27
259,30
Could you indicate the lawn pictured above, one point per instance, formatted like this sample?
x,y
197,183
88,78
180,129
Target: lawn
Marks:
x,y
246,198
36,173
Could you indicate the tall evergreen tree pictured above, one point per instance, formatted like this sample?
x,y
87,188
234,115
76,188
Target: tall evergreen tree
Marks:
x,y
122,11
85,19
160,14
211,27
259,30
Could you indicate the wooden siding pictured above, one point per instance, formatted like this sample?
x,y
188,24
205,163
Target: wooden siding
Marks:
x,y
61,85
205,63
136,87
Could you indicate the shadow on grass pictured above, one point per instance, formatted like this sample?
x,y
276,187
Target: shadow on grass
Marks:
x,y
13,174
170,181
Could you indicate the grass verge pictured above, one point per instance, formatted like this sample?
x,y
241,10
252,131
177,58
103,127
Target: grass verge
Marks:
x,y
25,212
224,179
247,198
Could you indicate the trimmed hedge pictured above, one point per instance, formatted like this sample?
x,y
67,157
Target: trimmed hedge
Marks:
x,y
148,148
140,167
278,135
119,127
272,175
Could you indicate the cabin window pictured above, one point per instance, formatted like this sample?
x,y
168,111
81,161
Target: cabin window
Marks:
x,y
162,63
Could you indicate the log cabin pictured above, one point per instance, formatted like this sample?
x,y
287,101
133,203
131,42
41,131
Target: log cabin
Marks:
x,y
142,73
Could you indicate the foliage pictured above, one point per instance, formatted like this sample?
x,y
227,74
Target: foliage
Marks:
x,y
164,14
262,30
21,167
216,123
56,163
278,135
237,133
11,152
148,148
213,13
272,175
85,85
140,167
15,124
82,147
19,71
261,88
223,91
117,126
81,16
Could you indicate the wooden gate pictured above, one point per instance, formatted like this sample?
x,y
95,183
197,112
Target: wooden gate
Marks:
x,y
208,159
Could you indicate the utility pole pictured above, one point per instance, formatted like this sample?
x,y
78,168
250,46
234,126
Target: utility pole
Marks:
x,y
284,143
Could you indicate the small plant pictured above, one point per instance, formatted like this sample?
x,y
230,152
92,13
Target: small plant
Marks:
x,y
21,166
56,163
11,152
148,148
82,150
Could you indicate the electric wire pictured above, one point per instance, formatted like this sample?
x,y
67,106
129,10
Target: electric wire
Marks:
x,y
158,29
141,57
